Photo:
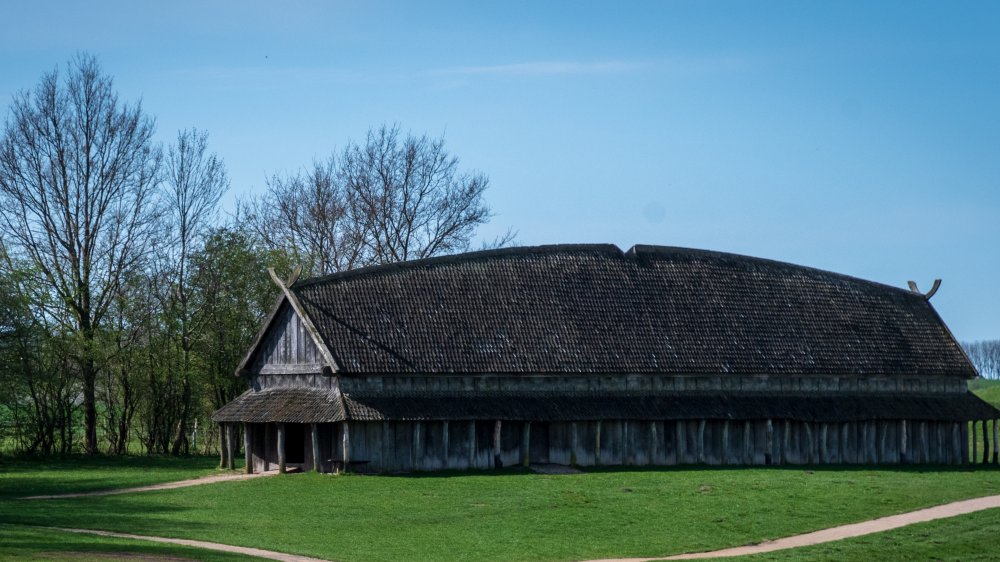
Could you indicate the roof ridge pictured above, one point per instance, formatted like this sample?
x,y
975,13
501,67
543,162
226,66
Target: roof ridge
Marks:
x,y
461,257
638,250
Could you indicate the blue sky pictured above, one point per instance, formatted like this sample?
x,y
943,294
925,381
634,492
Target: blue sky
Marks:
x,y
854,137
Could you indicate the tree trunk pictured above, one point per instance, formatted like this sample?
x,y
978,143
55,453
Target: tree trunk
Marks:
x,y
89,405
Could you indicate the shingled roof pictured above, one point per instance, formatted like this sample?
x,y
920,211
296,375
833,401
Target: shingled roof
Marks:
x,y
596,309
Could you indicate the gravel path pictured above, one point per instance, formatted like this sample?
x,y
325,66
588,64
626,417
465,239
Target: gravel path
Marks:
x,y
164,486
842,532
269,554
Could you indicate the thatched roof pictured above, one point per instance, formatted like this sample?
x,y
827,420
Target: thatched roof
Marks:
x,y
298,405
596,309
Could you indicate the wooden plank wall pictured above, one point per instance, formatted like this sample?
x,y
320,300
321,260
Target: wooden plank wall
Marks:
x,y
387,447
287,343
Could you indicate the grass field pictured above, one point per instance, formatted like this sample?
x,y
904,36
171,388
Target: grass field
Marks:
x,y
512,515
32,544
966,538
56,475
507,515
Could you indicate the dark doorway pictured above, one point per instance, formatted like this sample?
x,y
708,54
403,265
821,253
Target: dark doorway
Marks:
x,y
538,451
295,443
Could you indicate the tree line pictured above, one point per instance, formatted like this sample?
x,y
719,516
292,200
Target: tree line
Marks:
x,y
985,355
127,298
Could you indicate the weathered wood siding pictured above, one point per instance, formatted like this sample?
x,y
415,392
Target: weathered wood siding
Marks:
x,y
286,345
390,447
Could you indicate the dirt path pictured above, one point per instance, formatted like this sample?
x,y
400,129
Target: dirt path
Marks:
x,y
164,486
841,532
269,554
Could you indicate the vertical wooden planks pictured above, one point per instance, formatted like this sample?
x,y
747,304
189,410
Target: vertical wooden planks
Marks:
x,y
471,437
680,443
986,442
903,454
247,449
769,447
573,443
314,438
345,437
222,446
281,448
654,444
597,444
700,443
497,462
230,445
445,444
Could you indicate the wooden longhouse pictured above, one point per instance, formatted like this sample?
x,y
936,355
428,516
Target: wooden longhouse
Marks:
x,y
587,355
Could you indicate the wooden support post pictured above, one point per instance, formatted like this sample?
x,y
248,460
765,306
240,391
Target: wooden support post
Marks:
x,y
497,461
526,444
625,443
975,447
266,428
986,442
384,450
769,443
996,443
701,440
863,442
654,443
883,428
247,449
843,442
786,448
231,446
724,453
925,446
963,441
597,444
573,443
281,448
345,438
222,445
472,444
902,442
747,453
314,435
445,443
824,456
809,443
956,443
680,445
873,441
417,451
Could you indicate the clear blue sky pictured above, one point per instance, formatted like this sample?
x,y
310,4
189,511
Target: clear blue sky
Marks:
x,y
854,137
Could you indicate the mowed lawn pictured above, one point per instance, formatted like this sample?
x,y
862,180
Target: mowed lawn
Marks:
x,y
507,515
513,515
965,538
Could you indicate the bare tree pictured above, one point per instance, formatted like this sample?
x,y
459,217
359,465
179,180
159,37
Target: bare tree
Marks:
x,y
392,198
195,180
77,176
408,197
985,355
306,215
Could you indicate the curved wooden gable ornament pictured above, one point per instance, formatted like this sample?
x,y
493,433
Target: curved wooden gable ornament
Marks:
x,y
929,294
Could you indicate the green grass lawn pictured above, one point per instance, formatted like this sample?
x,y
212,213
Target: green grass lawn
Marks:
x,y
56,475
510,515
965,538
31,544
514,515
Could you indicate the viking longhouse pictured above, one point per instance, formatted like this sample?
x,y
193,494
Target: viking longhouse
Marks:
x,y
587,355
